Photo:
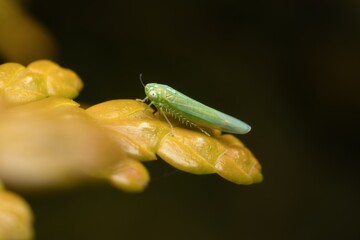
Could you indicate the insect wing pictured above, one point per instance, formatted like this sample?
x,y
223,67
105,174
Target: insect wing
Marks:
x,y
204,115
188,106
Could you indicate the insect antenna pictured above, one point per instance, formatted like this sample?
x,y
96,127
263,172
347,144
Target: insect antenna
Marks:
x,y
142,83
140,77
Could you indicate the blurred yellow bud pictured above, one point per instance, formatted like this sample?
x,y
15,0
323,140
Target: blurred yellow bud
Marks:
x,y
53,143
60,81
23,39
18,85
39,80
16,218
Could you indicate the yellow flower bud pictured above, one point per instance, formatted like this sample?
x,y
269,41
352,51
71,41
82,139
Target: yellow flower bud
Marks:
x,y
16,218
130,176
53,143
41,79
60,81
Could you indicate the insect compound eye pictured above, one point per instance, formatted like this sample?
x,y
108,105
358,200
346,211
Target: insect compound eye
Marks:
x,y
153,94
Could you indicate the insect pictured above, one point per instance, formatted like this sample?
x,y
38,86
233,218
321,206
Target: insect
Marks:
x,y
190,111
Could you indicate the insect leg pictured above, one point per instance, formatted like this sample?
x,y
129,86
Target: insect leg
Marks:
x,y
203,131
147,106
191,124
168,121
142,100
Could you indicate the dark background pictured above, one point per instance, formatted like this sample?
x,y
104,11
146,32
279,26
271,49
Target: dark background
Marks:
x,y
289,68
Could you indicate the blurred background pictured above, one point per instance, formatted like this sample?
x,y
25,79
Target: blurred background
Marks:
x,y
290,69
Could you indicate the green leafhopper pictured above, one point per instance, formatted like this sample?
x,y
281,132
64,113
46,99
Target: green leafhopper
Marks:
x,y
186,109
